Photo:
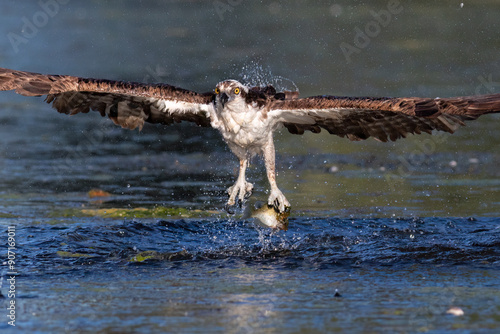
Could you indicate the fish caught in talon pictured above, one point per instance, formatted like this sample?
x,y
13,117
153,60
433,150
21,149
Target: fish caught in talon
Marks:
x,y
268,216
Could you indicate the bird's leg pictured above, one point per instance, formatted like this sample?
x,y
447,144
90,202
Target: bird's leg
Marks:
x,y
276,198
241,187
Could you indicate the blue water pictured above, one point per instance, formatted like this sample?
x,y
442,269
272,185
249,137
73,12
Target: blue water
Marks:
x,y
375,275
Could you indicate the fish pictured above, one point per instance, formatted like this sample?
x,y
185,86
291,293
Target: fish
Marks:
x,y
267,216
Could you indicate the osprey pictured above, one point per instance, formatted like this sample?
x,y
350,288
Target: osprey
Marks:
x,y
247,116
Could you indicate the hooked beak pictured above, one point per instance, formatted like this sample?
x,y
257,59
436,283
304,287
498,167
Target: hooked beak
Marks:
x,y
223,99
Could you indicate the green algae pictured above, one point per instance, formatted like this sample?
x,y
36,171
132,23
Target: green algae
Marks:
x,y
69,254
156,212
154,255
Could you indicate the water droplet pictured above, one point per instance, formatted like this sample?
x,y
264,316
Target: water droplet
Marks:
x,y
333,169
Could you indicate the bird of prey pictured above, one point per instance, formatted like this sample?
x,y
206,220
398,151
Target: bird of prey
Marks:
x,y
247,116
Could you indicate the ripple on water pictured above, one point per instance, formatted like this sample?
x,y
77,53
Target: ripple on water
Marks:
x,y
318,242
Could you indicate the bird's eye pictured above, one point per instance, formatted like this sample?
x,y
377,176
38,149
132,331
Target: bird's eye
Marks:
x,y
236,91
217,90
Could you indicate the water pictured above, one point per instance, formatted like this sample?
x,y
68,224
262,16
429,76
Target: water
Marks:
x,y
217,275
382,237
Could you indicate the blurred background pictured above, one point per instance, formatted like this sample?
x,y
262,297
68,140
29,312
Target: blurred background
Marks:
x,y
376,48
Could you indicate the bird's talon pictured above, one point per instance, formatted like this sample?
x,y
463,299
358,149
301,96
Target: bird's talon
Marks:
x,y
278,201
229,209
239,192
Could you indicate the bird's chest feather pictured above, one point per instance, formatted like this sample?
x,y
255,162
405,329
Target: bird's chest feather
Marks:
x,y
244,125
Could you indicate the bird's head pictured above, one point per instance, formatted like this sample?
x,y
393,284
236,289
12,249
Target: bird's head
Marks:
x,y
230,92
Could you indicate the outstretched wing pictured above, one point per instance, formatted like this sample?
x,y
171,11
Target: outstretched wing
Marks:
x,y
128,104
382,118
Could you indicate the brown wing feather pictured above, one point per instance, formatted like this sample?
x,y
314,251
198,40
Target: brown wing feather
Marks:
x,y
382,118
128,104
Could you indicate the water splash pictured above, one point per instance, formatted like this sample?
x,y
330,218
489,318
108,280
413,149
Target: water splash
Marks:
x,y
255,74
